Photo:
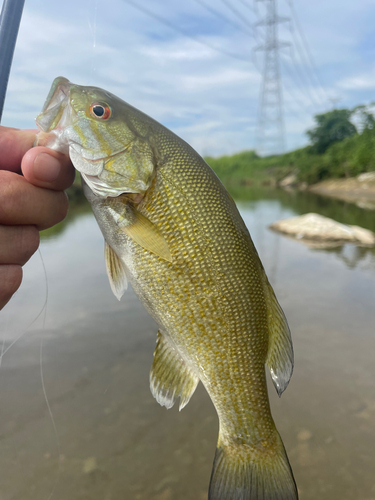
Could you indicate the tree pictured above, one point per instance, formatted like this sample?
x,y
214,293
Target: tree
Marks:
x,y
364,114
332,127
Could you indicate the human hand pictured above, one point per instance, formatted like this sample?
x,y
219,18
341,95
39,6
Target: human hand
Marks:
x,y
29,202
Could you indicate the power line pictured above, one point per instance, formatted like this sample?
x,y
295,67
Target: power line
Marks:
x,y
296,98
183,32
246,4
304,79
224,18
306,47
296,113
270,115
310,81
236,12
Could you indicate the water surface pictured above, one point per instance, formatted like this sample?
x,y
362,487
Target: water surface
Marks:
x,y
112,441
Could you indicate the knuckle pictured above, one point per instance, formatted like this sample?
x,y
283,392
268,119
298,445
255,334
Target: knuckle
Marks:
x,y
69,171
7,195
63,207
11,280
58,211
29,243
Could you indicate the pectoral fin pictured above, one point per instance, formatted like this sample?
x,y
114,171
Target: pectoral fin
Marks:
x,y
280,349
144,232
115,271
170,376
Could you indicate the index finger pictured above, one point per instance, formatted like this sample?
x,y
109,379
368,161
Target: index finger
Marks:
x,y
13,145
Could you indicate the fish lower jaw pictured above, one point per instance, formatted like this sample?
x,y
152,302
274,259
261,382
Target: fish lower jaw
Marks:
x,y
51,140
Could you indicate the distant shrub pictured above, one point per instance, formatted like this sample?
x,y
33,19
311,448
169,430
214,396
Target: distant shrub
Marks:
x,y
345,153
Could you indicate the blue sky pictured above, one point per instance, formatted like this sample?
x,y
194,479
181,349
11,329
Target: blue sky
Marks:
x,y
207,97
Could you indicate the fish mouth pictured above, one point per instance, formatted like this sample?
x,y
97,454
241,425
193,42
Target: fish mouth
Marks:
x,y
55,113
55,122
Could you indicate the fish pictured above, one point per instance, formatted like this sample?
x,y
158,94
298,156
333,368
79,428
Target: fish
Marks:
x,y
173,231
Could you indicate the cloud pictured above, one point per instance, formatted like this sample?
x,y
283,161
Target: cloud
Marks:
x,y
364,81
205,95
187,50
223,77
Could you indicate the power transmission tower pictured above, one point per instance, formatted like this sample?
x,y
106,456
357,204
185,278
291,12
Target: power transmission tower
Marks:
x,y
271,134
334,101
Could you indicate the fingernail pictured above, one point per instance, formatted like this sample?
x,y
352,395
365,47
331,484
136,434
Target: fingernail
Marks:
x,y
46,167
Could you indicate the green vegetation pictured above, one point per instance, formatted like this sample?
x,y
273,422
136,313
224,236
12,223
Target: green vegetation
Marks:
x,y
247,168
332,127
338,149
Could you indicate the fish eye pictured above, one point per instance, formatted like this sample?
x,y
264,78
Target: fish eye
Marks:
x,y
101,111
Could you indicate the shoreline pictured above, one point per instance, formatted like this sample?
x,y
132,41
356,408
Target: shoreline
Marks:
x,y
352,190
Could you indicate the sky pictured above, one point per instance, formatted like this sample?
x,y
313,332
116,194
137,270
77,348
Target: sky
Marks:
x,y
196,66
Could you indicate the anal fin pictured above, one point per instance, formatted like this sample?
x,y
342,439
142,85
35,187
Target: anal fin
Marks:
x,y
280,358
170,376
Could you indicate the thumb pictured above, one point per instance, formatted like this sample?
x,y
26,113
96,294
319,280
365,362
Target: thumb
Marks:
x,y
47,168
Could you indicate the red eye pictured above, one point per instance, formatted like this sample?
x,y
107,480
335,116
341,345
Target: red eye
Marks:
x,y
101,111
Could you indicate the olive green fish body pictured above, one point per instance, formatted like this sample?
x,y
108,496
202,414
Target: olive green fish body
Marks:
x,y
209,300
189,257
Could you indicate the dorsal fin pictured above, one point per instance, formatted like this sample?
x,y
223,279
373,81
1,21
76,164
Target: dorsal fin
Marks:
x,y
280,357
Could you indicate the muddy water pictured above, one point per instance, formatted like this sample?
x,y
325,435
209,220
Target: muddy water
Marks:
x,y
91,355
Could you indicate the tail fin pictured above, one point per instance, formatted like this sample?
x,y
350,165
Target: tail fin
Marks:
x,y
238,474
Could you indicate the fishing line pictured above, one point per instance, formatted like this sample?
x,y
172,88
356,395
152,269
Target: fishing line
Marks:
x,y
4,335
93,34
4,351
43,385
51,415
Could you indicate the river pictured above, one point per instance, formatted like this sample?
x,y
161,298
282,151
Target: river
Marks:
x,y
90,356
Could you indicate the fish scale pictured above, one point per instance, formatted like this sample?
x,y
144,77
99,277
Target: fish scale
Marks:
x,y
174,232
234,271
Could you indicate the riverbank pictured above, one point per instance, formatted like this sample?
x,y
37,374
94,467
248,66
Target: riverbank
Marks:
x,y
359,190
245,170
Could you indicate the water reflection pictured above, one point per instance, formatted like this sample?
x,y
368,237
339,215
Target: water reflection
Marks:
x,y
354,256
301,202
273,205
114,440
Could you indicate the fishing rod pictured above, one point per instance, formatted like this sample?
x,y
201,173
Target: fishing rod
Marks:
x,y
10,19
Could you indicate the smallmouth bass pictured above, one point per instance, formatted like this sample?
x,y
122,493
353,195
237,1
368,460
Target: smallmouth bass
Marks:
x,y
172,230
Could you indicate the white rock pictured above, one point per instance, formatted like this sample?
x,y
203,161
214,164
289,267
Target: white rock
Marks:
x,y
318,228
368,176
289,180
365,236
